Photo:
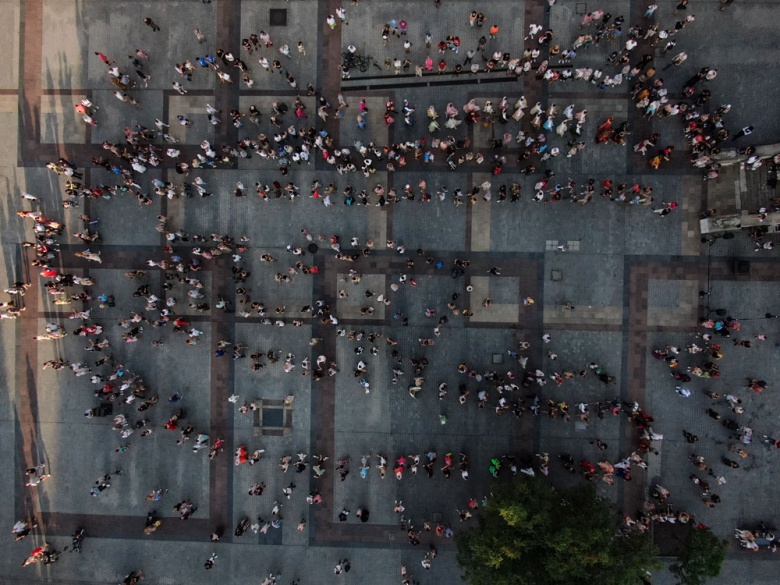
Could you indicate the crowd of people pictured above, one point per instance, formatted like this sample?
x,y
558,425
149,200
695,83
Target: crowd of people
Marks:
x,y
529,138
704,352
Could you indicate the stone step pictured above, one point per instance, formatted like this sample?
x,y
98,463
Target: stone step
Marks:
x,y
758,193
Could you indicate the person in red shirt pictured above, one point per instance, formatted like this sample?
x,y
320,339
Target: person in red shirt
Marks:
x,y
104,58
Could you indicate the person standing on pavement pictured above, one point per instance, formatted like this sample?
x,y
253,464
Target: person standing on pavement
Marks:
x,y
677,60
209,564
104,58
151,24
746,131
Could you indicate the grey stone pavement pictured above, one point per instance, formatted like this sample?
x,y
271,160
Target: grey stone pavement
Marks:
x,y
633,277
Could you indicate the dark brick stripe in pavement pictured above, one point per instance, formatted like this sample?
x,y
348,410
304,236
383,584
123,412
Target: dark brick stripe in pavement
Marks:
x,y
363,84
388,211
128,527
573,326
702,193
372,536
27,451
328,68
31,58
64,91
469,219
631,494
639,126
536,89
228,38
222,379
197,318
530,321
113,257
762,270
391,95
81,156
323,406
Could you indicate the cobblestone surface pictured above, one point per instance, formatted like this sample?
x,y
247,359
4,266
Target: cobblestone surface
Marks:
x,y
633,277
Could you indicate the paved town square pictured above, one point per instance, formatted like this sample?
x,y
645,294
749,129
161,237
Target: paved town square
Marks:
x,y
295,283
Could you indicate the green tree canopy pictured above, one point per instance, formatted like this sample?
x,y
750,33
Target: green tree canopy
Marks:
x,y
532,533
701,558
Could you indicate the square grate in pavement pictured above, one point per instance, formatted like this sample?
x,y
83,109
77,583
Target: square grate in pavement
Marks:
x,y
277,17
742,267
273,417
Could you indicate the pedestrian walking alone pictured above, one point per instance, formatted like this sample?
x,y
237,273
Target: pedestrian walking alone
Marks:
x,y
151,24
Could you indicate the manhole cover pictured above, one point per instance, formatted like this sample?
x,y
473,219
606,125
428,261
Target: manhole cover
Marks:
x,y
273,417
312,248
277,16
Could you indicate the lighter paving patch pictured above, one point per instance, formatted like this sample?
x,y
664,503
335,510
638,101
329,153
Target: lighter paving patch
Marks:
x,y
59,122
480,218
584,315
9,45
349,307
497,312
62,62
673,303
